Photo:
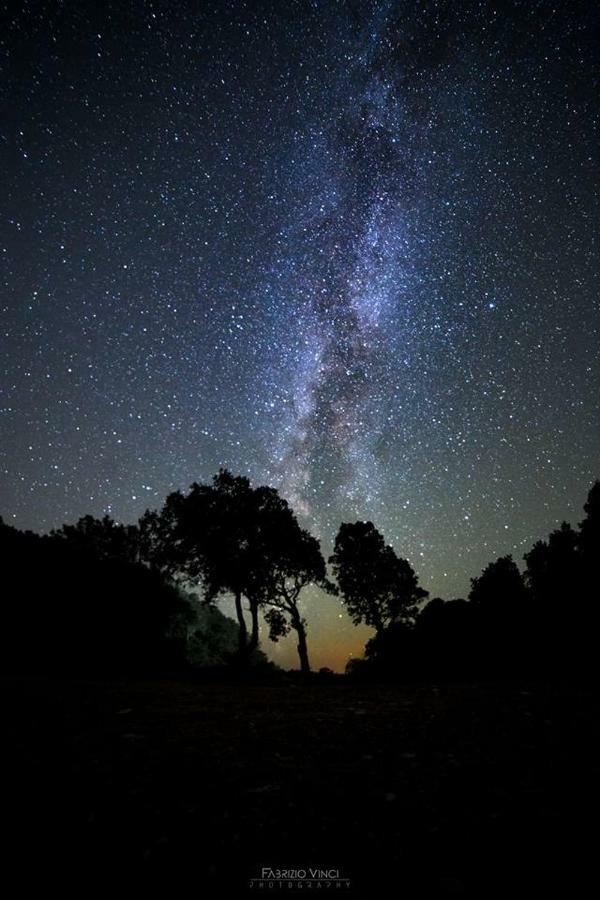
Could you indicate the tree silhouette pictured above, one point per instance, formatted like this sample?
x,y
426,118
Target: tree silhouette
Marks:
x,y
502,620
590,527
209,535
119,603
446,638
82,606
563,574
377,586
499,588
157,544
553,571
589,543
294,561
104,538
235,539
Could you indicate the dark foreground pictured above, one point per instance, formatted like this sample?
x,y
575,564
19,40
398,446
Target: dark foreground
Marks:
x,y
405,790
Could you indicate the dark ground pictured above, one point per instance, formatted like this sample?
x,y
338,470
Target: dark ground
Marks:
x,y
486,789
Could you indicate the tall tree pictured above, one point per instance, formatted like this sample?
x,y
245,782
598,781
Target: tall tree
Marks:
x,y
589,547
376,585
244,541
589,533
213,542
553,570
499,588
504,633
295,561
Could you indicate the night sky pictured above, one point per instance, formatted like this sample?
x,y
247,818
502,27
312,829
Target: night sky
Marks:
x,y
345,248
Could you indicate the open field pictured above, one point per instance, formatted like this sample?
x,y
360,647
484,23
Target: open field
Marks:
x,y
447,790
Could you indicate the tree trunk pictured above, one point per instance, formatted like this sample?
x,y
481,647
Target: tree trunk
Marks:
x,y
298,625
243,631
253,643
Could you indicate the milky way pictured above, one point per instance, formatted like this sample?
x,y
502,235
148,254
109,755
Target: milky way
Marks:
x,y
347,248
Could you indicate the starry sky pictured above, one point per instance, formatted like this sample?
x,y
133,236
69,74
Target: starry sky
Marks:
x,y
346,248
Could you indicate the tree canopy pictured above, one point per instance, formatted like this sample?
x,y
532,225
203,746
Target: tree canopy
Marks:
x,y
100,595
232,538
377,587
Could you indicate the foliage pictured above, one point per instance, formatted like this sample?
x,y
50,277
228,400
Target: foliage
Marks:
x,y
103,538
377,587
231,538
102,597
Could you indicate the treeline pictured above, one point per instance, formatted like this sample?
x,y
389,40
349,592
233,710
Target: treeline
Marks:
x,y
102,597
539,622
99,596
73,604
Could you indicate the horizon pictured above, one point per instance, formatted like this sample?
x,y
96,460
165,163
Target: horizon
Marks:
x,y
333,647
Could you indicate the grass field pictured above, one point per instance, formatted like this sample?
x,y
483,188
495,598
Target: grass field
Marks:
x,y
417,790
